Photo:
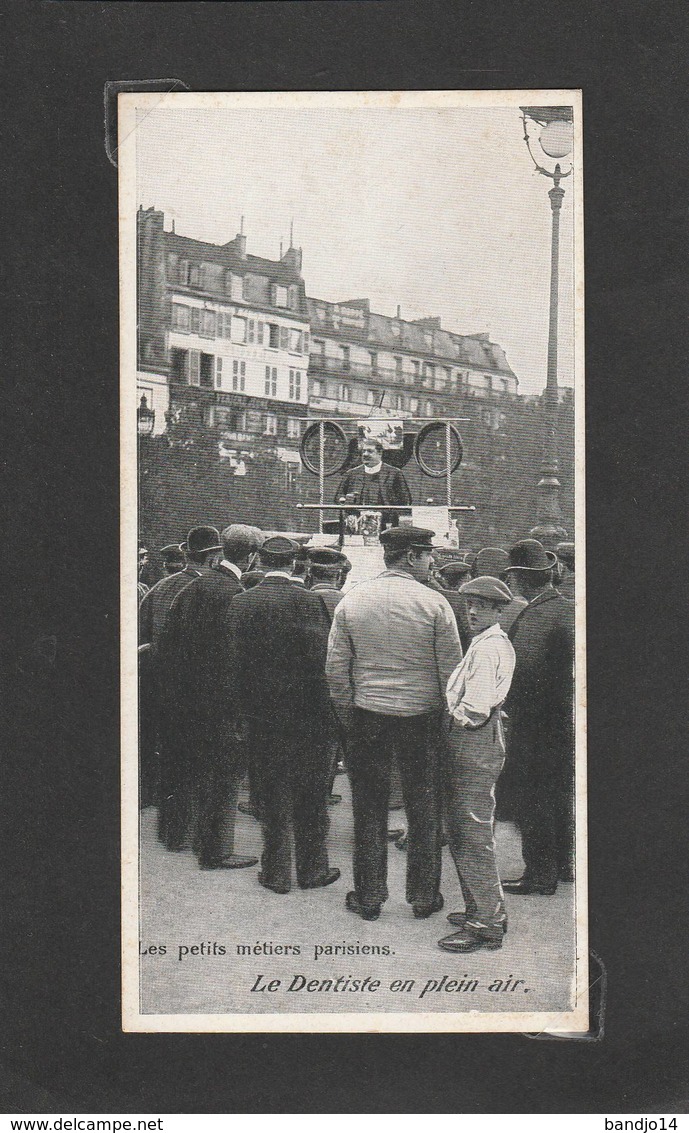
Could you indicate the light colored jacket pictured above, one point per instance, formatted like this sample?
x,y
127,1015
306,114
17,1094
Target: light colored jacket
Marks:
x,y
392,648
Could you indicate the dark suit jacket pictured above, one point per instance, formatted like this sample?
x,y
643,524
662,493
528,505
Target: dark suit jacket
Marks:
x,y
394,488
542,687
459,609
155,605
279,640
194,648
329,595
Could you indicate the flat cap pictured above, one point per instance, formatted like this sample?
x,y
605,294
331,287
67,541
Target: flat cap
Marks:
x,y
407,538
172,552
243,533
529,554
280,545
490,561
454,569
565,553
486,587
326,556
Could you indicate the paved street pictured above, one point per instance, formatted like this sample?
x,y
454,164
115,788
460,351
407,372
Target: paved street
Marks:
x,y
267,937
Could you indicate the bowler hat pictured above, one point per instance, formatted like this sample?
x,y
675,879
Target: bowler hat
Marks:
x,y
565,553
491,561
325,556
279,549
242,537
407,538
200,539
171,553
493,589
529,554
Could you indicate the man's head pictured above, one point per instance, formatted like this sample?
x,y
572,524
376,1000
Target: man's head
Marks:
x,y
326,565
240,543
453,574
409,549
565,554
278,553
491,561
202,543
371,452
530,568
173,558
485,598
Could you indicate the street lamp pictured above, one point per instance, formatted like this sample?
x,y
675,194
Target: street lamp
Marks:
x,y
556,139
145,418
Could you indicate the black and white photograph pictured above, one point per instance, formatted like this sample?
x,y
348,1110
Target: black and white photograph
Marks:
x,y
353,551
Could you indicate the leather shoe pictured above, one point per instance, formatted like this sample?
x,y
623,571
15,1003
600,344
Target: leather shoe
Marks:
x,y
421,911
333,800
366,912
232,861
327,879
275,888
460,920
522,886
468,941
395,835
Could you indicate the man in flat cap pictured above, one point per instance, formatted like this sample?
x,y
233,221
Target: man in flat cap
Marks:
x,y
326,567
215,756
565,557
393,646
541,710
451,576
173,558
373,482
473,761
278,634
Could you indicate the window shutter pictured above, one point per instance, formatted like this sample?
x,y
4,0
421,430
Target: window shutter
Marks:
x,y
284,338
259,337
252,328
184,271
306,342
194,367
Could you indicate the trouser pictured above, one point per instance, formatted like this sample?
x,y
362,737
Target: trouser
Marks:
x,y
415,740
291,762
218,761
473,762
544,800
175,809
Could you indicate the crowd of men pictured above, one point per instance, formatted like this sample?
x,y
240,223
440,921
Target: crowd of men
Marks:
x,y
257,667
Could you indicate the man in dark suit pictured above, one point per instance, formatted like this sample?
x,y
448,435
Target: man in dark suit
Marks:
x,y
279,634
155,735
540,705
373,482
214,755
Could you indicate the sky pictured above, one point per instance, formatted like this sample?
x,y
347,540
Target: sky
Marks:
x,y
438,210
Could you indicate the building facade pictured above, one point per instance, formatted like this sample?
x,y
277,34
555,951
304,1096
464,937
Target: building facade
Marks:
x,y
233,356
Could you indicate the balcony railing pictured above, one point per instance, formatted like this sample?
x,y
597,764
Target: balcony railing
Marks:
x,y
321,364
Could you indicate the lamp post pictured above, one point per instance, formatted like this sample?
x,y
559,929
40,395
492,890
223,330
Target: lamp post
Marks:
x,y
145,418
555,139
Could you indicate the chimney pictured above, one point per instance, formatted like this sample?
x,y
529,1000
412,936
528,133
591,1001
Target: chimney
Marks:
x,y
399,311
240,245
292,259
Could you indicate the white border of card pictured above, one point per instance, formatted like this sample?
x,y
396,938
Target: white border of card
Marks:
x,y
574,1020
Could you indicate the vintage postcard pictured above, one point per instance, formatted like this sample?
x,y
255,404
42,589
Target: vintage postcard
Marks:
x,y
353,649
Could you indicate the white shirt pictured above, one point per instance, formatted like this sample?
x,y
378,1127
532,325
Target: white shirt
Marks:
x,y
283,574
374,470
231,567
482,680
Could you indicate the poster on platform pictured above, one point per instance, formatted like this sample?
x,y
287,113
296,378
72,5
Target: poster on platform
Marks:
x,y
322,830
